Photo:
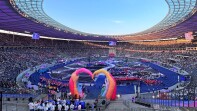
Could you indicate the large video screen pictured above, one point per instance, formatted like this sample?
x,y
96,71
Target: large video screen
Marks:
x,y
35,36
189,36
112,43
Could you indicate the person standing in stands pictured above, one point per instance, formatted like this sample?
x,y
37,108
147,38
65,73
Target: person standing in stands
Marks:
x,y
31,106
36,106
66,107
41,106
79,107
56,107
72,106
59,107
46,107
53,107
63,108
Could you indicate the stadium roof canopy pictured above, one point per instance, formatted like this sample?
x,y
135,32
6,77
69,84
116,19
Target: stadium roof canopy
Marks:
x,y
28,16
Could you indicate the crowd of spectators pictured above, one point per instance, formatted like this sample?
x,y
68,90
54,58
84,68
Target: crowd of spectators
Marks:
x,y
19,53
62,104
184,60
55,105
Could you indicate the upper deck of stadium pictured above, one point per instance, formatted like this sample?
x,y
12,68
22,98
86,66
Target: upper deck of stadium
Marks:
x,y
28,16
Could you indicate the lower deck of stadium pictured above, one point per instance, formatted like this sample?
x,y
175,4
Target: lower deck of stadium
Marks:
x,y
149,77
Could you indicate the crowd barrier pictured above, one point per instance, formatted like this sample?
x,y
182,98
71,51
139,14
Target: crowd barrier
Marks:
x,y
176,98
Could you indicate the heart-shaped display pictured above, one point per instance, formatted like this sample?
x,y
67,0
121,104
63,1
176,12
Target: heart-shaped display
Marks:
x,y
110,89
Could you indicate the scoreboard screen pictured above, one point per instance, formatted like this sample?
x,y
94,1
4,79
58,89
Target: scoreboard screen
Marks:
x,y
112,43
35,36
189,36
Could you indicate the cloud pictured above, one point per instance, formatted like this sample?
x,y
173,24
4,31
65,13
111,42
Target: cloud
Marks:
x,y
117,21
